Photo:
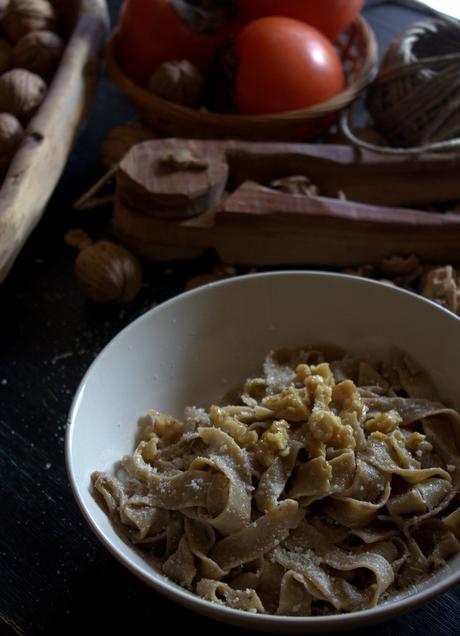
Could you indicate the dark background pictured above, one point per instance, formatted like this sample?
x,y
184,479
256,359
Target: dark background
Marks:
x,y
55,577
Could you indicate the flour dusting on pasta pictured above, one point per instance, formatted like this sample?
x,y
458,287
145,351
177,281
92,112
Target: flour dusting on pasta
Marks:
x,y
328,486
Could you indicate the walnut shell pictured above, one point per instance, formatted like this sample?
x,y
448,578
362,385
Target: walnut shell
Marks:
x,y
179,82
397,265
441,284
6,56
108,274
39,52
24,16
121,139
11,135
21,93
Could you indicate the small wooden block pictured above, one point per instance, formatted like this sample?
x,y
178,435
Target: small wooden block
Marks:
x,y
145,182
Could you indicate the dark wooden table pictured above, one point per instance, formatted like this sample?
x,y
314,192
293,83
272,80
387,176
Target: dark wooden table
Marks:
x,y
55,577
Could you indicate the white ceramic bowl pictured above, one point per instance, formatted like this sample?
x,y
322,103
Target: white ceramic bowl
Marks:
x,y
193,348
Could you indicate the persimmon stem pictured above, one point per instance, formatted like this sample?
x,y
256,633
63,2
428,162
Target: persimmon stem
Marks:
x,y
205,16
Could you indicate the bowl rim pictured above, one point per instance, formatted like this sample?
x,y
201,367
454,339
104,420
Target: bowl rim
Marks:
x,y
222,613
141,95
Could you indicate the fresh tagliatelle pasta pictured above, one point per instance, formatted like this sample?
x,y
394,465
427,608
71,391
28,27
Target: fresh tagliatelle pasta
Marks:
x,y
328,485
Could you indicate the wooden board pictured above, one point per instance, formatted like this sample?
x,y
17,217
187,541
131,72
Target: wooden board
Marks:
x,y
39,162
256,225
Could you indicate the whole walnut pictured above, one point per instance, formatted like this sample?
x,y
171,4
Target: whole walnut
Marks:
x,y
3,7
21,93
24,16
6,56
179,82
11,135
108,274
39,52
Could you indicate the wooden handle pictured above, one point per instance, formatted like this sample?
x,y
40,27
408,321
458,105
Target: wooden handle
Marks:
x,y
363,176
283,229
40,160
257,226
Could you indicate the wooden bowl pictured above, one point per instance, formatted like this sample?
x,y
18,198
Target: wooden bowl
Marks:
x,y
38,164
358,51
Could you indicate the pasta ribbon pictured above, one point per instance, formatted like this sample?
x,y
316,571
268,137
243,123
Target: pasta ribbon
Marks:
x,y
331,483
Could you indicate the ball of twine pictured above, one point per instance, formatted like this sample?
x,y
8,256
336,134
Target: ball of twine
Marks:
x,y
415,98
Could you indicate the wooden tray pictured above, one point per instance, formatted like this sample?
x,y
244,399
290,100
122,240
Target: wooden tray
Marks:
x,y
39,162
249,223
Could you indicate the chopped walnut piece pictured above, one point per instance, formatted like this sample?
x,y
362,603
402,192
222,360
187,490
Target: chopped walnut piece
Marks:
x,y
289,404
346,397
326,429
322,425
303,371
300,184
274,442
441,285
397,265
183,159
366,271
324,370
403,270
297,184
384,422
320,392
233,427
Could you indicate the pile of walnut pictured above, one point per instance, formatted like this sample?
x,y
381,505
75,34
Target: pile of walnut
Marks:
x,y
30,51
440,283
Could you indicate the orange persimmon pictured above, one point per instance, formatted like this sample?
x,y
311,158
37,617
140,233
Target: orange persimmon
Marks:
x,y
284,65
